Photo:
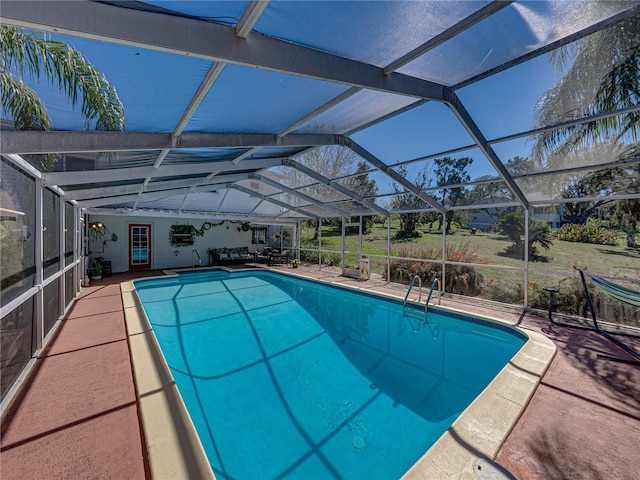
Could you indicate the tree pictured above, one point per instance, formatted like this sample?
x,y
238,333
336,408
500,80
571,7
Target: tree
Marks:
x,y
366,188
411,206
628,214
35,55
332,161
604,75
579,213
512,225
489,189
450,171
601,183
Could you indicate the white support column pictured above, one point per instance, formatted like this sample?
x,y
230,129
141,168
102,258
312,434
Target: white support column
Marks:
x,y
39,254
77,254
444,251
343,263
320,243
388,248
360,238
62,221
526,257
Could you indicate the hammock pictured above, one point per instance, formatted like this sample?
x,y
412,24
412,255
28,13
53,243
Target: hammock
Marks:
x,y
624,294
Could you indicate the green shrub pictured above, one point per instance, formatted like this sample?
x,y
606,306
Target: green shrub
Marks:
x,y
505,292
512,225
592,232
460,279
571,300
331,259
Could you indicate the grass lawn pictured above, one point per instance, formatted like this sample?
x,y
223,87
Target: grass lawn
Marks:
x,y
554,268
491,249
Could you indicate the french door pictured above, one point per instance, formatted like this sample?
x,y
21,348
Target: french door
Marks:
x,y
139,247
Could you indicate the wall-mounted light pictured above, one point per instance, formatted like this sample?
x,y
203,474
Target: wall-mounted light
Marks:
x,y
97,231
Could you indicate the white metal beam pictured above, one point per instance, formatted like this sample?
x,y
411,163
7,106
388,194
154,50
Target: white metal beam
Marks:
x,y
121,174
208,40
172,213
209,79
32,142
298,194
146,196
449,33
460,111
130,189
395,176
249,17
251,193
335,185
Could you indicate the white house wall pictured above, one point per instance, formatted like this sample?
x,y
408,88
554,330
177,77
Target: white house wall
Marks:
x,y
163,254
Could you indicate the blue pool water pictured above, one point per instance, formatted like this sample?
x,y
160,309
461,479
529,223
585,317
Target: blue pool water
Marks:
x,y
289,378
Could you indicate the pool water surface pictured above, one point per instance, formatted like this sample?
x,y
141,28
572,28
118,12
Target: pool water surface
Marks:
x,y
289,378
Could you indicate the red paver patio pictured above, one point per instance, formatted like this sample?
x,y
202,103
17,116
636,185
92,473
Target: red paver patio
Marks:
x,y
77,415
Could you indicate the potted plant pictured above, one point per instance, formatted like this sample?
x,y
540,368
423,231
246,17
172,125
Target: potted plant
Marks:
x,y
295,263
95,270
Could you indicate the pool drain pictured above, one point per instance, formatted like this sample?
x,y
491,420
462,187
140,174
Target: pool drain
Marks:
x,y
358,443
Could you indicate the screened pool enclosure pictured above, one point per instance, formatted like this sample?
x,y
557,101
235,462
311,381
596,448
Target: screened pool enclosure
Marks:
x,y
492,145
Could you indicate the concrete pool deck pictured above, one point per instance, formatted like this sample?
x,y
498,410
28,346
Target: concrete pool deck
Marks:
x,y
80,418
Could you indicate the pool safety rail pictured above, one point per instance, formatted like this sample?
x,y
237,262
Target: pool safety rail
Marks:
x,y
194,254
411,286
436,281
433,284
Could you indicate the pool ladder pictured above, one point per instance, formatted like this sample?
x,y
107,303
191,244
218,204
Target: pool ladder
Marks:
x,y
411,286
433,284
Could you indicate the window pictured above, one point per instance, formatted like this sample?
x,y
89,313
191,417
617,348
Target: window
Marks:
x,y
258,235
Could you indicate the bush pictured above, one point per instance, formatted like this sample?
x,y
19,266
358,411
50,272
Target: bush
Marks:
x,y
310,255
503,292
460,279
571,300
512,225
592,232
331,259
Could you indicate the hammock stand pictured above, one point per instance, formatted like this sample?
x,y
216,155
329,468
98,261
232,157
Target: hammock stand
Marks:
x,y
624,294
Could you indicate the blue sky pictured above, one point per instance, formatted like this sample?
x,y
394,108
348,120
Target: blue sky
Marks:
x,y
501,105
156,88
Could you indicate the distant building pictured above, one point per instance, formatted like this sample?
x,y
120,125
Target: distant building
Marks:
x,y
485,219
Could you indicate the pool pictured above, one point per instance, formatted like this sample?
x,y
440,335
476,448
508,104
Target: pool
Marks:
x,y
288,378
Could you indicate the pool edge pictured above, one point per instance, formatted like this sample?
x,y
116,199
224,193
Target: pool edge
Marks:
x,y
478,432
172,444
483,427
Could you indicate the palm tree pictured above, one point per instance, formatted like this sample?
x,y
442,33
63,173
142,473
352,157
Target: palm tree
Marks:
x,y
36,54
602,75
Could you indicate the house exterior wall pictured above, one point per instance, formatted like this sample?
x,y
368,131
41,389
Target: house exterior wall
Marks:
x,y
482,220
163,254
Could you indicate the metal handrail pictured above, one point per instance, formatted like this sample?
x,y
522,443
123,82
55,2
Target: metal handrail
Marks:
x,y
433,284
193,260
411,286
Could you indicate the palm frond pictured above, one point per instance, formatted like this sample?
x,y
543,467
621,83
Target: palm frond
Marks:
x,y
36,54
23,104
604,76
